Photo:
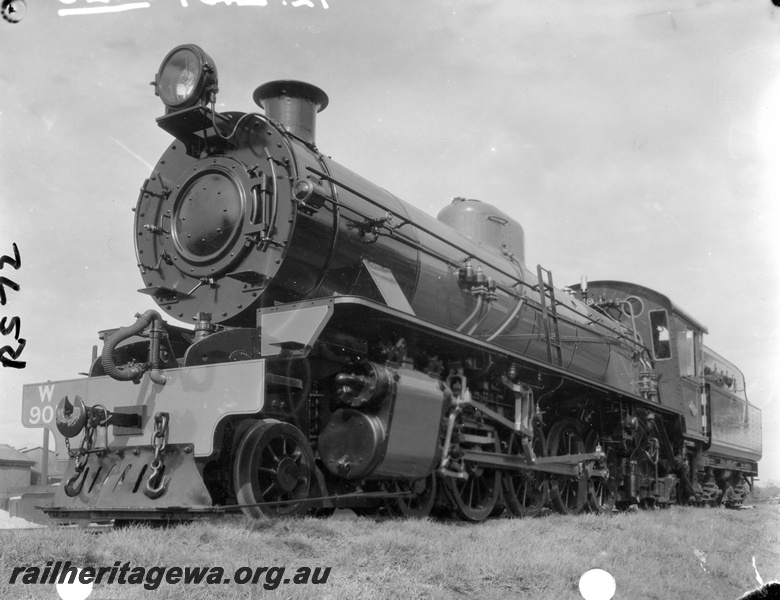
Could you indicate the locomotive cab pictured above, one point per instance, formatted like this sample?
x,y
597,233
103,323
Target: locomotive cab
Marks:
x,y
673,340
721,429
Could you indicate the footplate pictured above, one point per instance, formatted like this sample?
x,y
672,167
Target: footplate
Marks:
x,y
124,479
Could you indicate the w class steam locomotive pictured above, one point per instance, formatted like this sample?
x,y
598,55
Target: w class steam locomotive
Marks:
x,y
348,350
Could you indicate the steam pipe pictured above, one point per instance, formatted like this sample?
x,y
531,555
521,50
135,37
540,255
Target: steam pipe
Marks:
x,y
509,319
520,300
482,320
473,314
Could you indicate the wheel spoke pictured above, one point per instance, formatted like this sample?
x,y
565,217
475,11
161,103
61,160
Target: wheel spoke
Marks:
x,y
602,493
419,504
265,492
474,499
525,492
568,494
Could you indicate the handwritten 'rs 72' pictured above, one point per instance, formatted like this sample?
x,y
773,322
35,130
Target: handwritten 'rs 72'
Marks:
x,y
15,324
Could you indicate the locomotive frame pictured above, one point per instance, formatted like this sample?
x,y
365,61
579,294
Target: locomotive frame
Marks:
x,y
351,351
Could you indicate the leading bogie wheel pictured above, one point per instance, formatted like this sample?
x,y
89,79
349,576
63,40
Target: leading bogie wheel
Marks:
x,y
273,466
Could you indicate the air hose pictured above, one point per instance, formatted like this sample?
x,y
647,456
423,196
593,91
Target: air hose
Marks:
x,y
133,372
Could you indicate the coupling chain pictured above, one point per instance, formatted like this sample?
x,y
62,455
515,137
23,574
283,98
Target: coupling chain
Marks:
x,y
98,417
94,420
82,454
75,483
159,439
156,484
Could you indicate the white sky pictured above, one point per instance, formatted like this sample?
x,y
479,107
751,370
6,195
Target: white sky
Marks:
x,y
633,140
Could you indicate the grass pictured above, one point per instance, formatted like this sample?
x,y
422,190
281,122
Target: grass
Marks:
x,y
676,553
764,492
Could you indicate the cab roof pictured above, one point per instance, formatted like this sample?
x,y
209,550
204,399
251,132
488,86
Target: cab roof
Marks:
x,y
642,291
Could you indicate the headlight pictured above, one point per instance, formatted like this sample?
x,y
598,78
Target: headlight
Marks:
x,y
187,77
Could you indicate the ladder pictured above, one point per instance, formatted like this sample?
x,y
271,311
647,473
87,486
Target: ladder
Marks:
x,y
550,314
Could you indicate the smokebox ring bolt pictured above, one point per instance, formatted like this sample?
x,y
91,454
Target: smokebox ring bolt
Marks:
x,y
157,483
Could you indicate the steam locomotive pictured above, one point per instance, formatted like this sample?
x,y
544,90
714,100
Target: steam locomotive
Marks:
x,y
349,350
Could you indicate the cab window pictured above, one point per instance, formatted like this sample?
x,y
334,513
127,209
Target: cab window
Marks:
x,y
662,345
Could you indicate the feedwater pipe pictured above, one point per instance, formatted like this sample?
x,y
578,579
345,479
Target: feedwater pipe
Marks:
x,y
133,372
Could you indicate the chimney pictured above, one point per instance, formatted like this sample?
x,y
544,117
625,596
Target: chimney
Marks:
x,y
294,104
